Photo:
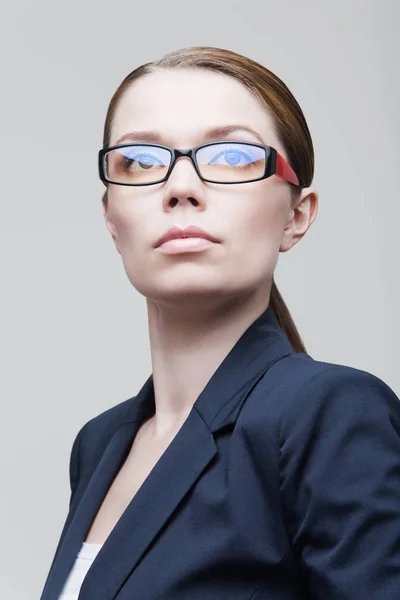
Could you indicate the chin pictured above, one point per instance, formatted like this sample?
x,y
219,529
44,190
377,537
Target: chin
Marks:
x,y
181,293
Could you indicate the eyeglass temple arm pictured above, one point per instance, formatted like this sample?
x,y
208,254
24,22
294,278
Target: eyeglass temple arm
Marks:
x,y
284,170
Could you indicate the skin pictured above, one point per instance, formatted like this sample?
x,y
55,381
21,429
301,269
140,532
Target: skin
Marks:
x,y
199,304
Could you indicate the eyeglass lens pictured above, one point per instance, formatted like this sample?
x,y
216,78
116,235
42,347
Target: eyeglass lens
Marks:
x,y
225,162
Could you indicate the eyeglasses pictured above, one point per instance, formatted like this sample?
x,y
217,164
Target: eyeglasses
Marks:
x,y
217,162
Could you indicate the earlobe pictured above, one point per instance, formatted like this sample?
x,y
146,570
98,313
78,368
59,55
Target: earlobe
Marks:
x,y
288,233
287,241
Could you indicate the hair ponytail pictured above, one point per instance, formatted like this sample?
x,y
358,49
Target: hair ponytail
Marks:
x,y
284,318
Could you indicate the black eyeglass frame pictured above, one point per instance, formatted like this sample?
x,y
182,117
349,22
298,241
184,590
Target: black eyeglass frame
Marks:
x,y
275,163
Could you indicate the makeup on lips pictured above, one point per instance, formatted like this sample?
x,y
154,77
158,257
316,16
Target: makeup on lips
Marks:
x,y
190,239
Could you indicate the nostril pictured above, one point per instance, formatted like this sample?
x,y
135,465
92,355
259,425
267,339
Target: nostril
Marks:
x,y
174,201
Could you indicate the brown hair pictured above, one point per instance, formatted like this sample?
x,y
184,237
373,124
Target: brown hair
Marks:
x,y
290,124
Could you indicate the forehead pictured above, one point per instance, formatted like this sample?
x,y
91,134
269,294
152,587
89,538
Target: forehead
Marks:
x,y
181,104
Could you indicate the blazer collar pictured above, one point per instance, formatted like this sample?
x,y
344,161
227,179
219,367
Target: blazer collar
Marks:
x,y
262,344
189,453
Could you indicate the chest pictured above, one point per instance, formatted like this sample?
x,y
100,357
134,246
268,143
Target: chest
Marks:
x,y
144,454
198,516
224,539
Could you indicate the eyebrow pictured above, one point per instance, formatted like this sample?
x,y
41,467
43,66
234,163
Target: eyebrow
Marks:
x,y
152,137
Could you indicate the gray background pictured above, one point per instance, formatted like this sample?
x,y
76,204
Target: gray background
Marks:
x,y
73,330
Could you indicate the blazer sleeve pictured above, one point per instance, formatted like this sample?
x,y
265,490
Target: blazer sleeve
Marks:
x,y
340,484
74,463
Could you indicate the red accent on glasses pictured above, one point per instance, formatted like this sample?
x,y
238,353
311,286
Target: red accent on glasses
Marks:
x,y
284,170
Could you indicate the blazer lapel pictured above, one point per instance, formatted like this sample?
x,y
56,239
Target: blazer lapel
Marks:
x,y
183,462
84,513
179,467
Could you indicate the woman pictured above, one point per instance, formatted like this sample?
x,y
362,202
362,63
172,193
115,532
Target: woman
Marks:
x,y
243,468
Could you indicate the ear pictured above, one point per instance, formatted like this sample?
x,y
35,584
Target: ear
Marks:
x,y
110,226
300,218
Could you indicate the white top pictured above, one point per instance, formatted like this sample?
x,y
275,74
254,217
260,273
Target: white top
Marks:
x,y
86,556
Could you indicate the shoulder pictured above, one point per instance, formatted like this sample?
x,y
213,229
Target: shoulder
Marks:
x,y
340,390
111,416
100,427
93,437
335,418
298,369
297,392
327,427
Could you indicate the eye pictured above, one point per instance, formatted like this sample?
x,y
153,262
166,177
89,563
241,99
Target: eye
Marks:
x,y
141,160
232,157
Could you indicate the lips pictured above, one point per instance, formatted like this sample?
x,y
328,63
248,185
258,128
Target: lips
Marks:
x,y
177,233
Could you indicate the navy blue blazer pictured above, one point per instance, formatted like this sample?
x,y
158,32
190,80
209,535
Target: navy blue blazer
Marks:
x,y
282,484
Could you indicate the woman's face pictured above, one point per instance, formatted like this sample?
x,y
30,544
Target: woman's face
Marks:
x,y
253,221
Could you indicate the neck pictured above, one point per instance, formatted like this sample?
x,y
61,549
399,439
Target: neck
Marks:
x,y
188,342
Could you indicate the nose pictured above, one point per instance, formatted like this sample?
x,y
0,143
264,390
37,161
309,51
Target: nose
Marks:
x,y
184,184
189,166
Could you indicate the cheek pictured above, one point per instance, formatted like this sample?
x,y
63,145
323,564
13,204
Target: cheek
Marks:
x,y
130,221
253,229
259,226
126,216
264,224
